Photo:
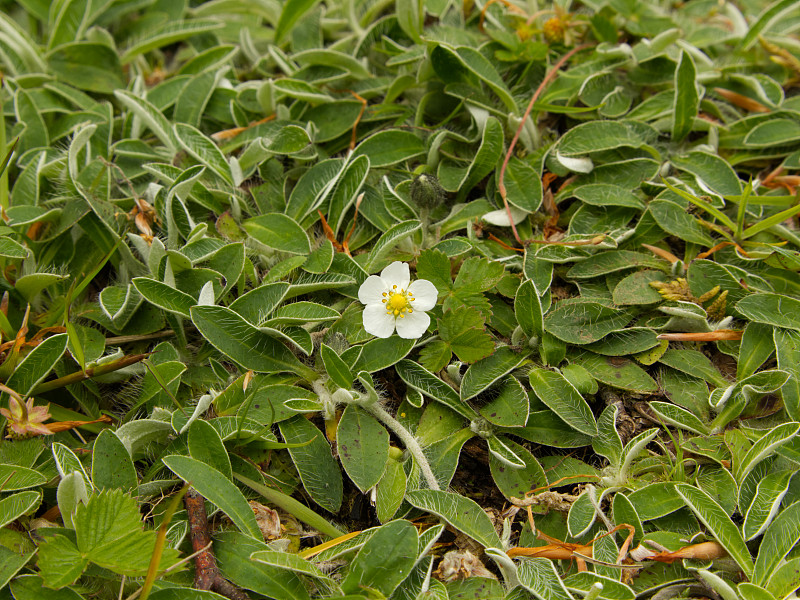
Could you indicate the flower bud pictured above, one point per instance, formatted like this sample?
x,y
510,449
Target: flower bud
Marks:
x,y
426,192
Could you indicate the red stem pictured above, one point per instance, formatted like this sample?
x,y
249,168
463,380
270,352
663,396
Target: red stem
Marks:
x,y
545,82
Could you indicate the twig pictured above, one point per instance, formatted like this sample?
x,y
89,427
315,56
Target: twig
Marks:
x,y
172,568
709,336
545,82
127,339
207,575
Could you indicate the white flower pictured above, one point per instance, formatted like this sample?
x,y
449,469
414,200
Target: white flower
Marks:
x,y
391,302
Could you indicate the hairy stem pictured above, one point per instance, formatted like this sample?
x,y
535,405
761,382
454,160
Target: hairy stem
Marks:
x,y
408,440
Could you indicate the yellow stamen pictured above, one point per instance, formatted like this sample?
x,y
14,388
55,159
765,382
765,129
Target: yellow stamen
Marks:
x,y
397,304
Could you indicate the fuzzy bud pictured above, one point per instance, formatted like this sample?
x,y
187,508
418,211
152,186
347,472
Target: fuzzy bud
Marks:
x,y
426,192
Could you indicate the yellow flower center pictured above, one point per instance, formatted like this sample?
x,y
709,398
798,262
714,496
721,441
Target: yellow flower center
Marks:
x,y
397,303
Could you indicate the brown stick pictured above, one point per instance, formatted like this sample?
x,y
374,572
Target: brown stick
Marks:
x,y
205,565
545,82
206,572
126,339
710,336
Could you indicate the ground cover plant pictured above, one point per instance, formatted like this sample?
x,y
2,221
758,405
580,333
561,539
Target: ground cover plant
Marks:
x,y
413,299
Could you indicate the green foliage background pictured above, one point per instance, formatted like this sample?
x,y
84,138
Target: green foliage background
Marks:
x,y
604,194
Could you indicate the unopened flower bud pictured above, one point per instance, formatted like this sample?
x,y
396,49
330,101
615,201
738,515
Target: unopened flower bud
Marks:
x,y
426,192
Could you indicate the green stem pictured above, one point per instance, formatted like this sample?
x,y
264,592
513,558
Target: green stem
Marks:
x,y
79,376
408,440
4,175
292,506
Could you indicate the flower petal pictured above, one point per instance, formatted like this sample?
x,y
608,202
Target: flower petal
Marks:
x,y
371,290
377,321
424,293
413,325
397,274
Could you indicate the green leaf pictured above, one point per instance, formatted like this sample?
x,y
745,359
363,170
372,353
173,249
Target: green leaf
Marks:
x,y
596,136
463,514
384,561
787,352
768,16
388,241
87,66
483,163
515,483
202,149
434,266
528,309
464,331
478,64
773,309
11,249
582,512
14,506
337,369
693,363
60,562
770,491
301,313
381,353
165,297
611,262
509,408
171,32
755,348
151,117
563,399
523,185
278,231
764,447
112,466
257,304
607,441
617,372
233,551
719,524
684,108
290,562
539,576
656,500
778,540
482,374
363,446
606,194
390,491
674,219
242,342
786,579
293,10
37,365
317,468
109,533
418,378
584,321
205,445
679,417
711,171
390,147
216,488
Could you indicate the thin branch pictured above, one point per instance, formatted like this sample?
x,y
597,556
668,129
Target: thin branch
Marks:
x,y
545,82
